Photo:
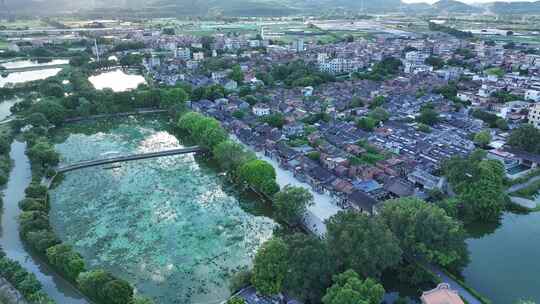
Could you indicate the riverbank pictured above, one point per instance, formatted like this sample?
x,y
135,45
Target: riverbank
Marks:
x,y
52,284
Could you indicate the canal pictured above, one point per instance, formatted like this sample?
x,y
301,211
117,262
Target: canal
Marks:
x,y
20,176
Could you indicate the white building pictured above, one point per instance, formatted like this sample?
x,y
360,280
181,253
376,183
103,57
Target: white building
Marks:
x,y
197,56
298,45
340,66
416,57
261,109
534,115
183,53
532,95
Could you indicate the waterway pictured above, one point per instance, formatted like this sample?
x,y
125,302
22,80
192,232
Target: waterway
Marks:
x,y
5,108
505,259
171,226
117,80
20,177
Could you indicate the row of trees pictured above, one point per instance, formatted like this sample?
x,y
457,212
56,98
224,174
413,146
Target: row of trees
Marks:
x,y
243,167
5,162
357,250
25,282
83,100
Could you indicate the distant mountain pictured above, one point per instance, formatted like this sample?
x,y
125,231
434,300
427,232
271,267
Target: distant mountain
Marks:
x,y
452,6
517,8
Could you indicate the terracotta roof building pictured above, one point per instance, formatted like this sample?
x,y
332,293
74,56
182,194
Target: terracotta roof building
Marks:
x,y
442,294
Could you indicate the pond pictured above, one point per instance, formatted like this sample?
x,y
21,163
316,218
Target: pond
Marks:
x,y
116,80
20,77
505,259
171,226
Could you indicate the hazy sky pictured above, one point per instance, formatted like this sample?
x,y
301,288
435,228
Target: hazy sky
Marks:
x,y
466,1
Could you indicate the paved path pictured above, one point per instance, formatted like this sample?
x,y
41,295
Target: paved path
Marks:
x,y
112,160
137,112
517,187
464,293
527,203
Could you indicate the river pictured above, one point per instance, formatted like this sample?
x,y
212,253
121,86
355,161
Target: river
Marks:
x,y
20,176
505,259
171,226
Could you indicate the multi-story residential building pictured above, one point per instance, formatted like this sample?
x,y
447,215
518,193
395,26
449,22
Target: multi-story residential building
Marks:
x,y
197,56
183,53
534,115
532,95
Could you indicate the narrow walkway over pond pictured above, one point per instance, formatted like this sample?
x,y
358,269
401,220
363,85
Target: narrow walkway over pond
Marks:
x,y
112,160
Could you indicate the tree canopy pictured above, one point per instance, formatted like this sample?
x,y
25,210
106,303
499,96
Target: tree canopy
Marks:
x,y
270,267
291,203
362,243
349,288
425,231
260,175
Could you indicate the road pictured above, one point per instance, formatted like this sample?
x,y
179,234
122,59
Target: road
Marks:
x,y
464,293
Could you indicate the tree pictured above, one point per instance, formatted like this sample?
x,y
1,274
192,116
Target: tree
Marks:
x,y
276,120
172,97
425,231
482,138
435,62
428,116
52,109
479,184
366,123
104,288
362,243
43,153
526,138
310,267
260,175
237,74
348,288
236,300
117,292
65,259
231,155
291,203
379,114
270,267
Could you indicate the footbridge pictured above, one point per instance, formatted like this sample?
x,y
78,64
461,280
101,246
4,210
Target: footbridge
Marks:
x,y
120,159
